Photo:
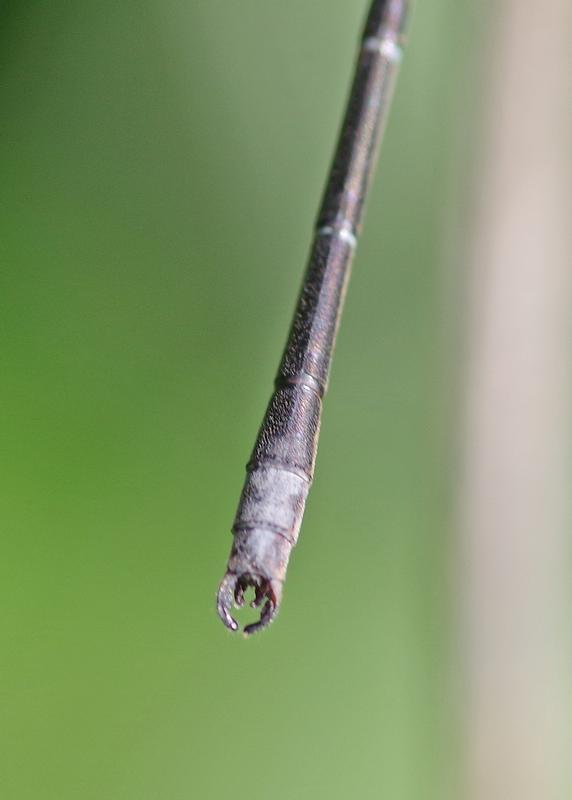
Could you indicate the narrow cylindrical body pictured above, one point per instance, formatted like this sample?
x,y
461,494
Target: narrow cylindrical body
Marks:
x,y
280,470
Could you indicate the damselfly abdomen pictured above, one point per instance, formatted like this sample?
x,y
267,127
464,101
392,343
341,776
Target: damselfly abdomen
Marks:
x,y
280,470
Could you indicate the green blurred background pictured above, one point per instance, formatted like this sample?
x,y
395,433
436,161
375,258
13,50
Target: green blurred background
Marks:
x,y
161,166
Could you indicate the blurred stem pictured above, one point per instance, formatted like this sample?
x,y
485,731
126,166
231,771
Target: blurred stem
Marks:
x,y
514,512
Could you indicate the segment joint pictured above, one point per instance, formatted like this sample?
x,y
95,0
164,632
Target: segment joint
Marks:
x,y
303,379
387,46
342,230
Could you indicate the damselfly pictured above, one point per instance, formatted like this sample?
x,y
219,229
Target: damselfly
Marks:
x,y
281,467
